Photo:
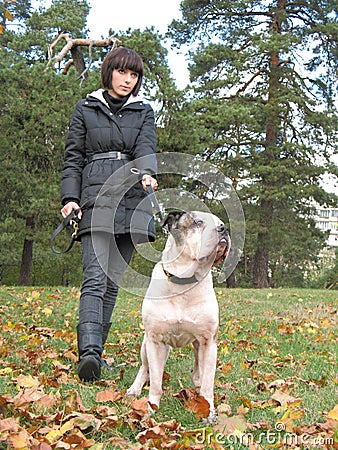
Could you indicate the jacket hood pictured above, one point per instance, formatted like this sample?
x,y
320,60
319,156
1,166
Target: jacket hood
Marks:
x,y
98,94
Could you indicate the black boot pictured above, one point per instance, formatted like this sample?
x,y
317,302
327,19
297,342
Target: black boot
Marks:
x,y
105,331
89,336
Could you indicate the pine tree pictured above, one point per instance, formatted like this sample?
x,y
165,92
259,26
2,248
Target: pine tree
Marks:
x,y
265,78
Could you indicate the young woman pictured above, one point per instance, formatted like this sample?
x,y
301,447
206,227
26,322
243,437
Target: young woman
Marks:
x,y
111,130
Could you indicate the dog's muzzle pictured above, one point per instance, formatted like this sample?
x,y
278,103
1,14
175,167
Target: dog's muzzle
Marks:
x,y
223,247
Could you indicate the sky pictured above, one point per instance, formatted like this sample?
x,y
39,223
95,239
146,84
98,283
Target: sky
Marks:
x,y
120,16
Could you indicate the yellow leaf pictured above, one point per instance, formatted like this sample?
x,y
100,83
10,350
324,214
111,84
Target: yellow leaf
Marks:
x,y
8,15
6,370
35,294
67,426
27,381
333,414
224,349
53,436
47,311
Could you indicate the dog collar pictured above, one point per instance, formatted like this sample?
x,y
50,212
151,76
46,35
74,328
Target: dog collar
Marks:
x,y
179,280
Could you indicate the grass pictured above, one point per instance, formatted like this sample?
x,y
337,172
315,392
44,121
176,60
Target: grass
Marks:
x,y
277,367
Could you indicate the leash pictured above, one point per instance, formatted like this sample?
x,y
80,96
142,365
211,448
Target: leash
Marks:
x,y
73,220
156,205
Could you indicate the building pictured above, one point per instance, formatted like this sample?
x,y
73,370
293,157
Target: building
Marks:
x,y
327,219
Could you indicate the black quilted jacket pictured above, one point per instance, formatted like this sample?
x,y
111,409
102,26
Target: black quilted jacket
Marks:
x,y
122,205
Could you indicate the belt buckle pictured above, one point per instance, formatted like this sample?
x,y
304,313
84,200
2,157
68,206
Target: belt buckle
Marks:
x,y
116,157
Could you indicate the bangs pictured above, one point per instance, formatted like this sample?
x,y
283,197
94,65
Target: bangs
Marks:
x,y
130,61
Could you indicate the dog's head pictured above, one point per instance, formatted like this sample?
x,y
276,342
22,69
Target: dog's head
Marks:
x,y
201,236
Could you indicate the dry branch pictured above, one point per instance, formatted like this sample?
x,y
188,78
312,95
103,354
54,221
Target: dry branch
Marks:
x,y
72,45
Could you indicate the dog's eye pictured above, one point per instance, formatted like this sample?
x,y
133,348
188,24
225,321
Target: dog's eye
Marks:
x,y
198,223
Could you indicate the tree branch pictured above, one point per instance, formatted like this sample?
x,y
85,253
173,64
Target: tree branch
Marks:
x,y
72,45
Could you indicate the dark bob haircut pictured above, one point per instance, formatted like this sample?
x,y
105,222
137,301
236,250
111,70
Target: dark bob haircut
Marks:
x,y
121,58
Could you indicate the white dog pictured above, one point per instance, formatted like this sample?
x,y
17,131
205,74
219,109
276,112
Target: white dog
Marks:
x,y
180,305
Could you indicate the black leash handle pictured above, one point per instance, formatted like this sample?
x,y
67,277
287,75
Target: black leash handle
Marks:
x,y
72,219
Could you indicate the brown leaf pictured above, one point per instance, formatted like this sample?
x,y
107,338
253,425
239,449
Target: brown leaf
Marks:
x,y
86,421
106,411
194,402
41,446
170,425
258,404
9,424
19,440
28,396
269,376
71,356
120,442
226,368
78,440
108,396
285,399
140,406
152,433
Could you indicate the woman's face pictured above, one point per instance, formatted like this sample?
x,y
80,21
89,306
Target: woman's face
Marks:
x,y
123,82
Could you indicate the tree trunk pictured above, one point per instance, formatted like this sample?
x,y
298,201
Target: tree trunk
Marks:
x,y
27,253
261,258
231,280
272,127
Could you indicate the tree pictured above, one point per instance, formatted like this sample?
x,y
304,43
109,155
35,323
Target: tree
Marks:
x,y
264,75
35,109
36,102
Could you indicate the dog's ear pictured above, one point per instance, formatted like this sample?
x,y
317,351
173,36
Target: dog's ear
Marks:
x,y
172,218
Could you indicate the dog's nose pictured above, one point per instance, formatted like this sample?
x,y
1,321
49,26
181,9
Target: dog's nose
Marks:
x,y
221,229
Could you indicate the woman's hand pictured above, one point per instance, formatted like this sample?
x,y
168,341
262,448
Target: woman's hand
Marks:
x,y
69,207
148,180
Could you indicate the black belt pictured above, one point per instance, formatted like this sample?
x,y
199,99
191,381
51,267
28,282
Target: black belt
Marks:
x,y
108,155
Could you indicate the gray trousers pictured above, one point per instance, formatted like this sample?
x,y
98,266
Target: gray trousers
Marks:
x,y
105,257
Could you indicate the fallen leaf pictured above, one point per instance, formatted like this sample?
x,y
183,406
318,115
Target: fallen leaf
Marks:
x,y
226,368
285,399
140,407
333,414
152,433
231,425
27,381
108,396
258,404
9,424
19,440
194,402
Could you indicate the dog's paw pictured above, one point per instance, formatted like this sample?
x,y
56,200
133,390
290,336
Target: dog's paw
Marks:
x,y
211,419
133,391
152,408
